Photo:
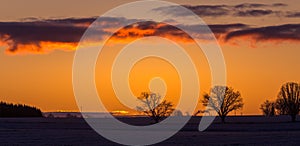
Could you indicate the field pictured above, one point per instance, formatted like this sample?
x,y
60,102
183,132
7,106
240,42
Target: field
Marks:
x,y
246,130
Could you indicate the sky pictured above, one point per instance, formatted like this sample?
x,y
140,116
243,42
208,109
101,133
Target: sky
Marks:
x,y
259,40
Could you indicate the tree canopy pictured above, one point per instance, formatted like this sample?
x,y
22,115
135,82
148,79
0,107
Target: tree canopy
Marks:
x,y
153,107
223,100
288,99
268,108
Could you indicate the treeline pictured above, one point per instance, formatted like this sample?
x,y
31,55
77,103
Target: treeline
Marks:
x,y
223,100
287,102
18,110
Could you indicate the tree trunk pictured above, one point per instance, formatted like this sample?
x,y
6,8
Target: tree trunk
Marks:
x,y
156,119
293,118
223,119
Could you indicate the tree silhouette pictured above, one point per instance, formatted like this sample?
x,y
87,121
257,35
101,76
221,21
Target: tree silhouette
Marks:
x,y
153,107
223,100
289,99
18,110
198,112
280,106
268,108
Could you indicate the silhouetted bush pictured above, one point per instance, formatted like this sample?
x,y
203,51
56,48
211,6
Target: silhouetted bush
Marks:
x,y
268,108
18,110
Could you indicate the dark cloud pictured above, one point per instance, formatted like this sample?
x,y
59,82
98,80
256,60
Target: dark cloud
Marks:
x,y
30,35
225,28
71,21
259,5
253,13
279,5
40,31
219,30
201,10
242,10
171,31
69,30
24,33
209,10
250,5
282,32
150,28
293,14
215,28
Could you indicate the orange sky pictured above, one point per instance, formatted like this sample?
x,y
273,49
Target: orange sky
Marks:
x,y
43,78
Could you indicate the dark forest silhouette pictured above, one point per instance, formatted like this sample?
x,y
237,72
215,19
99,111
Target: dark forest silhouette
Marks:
x,y
18,110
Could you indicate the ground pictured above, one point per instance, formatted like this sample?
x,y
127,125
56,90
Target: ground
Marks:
x,y
247,130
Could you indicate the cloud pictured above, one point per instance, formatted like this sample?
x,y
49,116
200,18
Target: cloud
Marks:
x,y
250,5
37,35
223,32
207,10
224,28
259,5
288,32
150,28
42,36
253,13
279,5
18,35
201,10
293,14
241,10
200,32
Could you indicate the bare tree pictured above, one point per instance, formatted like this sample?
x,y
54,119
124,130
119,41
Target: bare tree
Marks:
x,y
268,108
198,112
280,106
289,99
153,107
223,100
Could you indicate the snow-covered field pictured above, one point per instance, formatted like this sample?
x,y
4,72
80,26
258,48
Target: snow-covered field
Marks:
x,y
247,130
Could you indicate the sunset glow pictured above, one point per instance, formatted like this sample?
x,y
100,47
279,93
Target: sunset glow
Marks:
x,y
261,51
